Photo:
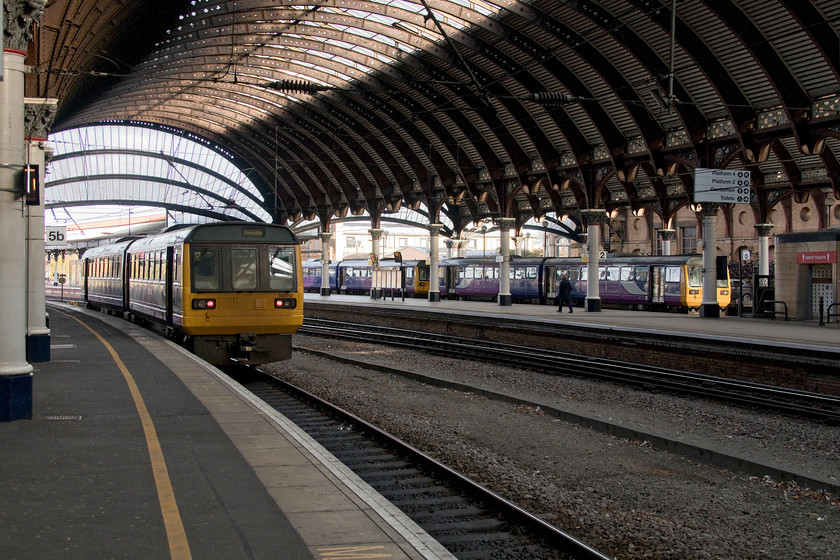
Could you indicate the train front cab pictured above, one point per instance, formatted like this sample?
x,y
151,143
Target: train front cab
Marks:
x,y
238,302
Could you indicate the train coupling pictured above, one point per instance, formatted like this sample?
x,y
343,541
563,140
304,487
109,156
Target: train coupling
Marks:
x,y
247,342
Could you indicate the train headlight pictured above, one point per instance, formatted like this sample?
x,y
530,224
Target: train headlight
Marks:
x,y
204,303
694,292
285,303
724,292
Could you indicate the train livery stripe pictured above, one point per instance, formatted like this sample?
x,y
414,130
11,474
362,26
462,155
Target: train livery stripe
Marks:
x,y
179,548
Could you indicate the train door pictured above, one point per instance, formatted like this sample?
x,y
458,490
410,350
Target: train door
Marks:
x,y
128,260
657,284
168,277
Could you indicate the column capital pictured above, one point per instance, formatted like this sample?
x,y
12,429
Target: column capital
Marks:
x,y
763,229
667,234
376,233
326,235
593,216
709,208
505,223
39,116
20,16
434,229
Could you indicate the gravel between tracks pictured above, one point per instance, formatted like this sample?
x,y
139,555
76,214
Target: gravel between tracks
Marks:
x,y
622,497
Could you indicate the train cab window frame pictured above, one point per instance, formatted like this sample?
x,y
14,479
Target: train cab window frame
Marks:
x,y
694,276
244,269
282,268
206,269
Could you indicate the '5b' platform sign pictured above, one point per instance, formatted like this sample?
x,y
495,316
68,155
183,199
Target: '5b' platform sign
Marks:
x,y
55,236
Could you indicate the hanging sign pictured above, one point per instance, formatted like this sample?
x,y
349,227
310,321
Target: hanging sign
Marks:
x,y
721,185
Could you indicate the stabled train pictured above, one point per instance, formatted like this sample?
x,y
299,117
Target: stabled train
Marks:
x,y
229,291
659,282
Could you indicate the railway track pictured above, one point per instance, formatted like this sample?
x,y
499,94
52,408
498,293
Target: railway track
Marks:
x,y
466,518
787,401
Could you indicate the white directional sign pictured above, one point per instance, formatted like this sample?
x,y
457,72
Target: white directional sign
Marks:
x,y
720,185
55,236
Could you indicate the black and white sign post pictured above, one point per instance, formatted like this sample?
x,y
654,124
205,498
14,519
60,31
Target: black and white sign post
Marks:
x,y
713,187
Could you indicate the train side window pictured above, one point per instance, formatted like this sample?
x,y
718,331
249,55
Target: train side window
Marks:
x,y
469,272
243,264
642,273
176,266
495,272
518,273
205,267
626,273
281,267
602,273
672,274
612,274
531,272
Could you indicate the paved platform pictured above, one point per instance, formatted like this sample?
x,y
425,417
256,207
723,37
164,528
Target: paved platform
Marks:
x,y
801,334
137,449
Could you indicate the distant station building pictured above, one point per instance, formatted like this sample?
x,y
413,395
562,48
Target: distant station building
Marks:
x,y
806,275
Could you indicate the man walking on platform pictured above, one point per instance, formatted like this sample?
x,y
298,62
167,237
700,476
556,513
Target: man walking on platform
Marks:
x,y
564,294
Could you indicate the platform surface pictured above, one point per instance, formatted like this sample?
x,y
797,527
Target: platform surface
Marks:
x,y
741,329
137,449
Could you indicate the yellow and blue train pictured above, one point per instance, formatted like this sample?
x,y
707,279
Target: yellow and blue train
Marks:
x,y
228,291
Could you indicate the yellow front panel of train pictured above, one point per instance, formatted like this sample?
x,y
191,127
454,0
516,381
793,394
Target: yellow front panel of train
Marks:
x,y
266,300
242,312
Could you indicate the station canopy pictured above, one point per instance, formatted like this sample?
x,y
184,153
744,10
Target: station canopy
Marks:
x,y
463,110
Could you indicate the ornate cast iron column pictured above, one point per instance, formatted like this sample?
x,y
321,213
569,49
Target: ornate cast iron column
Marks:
x,y
709,306
434,283
764,248
325,264
39,117
593,219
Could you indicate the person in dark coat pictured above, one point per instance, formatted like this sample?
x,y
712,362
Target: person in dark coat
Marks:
x,y
564,294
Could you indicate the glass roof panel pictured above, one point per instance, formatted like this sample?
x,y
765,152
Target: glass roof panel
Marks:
x,y
139,164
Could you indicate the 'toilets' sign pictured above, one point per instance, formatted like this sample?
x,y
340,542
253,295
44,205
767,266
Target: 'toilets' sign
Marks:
x,y
720,185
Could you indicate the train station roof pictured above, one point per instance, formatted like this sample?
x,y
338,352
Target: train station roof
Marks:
x,y
469,109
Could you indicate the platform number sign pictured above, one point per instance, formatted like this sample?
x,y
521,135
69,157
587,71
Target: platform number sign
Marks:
x,y
722,185
55,236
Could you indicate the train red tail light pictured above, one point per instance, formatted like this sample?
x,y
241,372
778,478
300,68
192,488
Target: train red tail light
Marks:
x,y
285,303
204,303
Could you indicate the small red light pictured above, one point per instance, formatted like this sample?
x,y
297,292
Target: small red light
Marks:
x,y
211,303
278,303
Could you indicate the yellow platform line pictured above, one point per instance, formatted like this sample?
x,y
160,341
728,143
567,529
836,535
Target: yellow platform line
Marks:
x,y
353,552
179,548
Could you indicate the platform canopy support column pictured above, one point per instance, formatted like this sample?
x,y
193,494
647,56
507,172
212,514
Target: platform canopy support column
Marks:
x,y
40,114
505,224
15,371
667,236
594,219
434,240
325,263
764,248
709,306
375,236
457,248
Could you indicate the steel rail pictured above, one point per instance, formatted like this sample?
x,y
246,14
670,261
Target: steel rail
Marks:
x,y
548,534
793,402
